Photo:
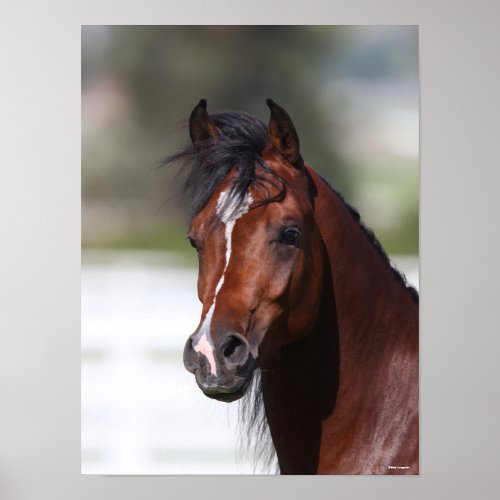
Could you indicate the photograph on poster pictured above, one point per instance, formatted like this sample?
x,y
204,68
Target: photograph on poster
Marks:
x,y
250,200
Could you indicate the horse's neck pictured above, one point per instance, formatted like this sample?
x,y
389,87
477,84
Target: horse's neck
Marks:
x,y
332,391
375,312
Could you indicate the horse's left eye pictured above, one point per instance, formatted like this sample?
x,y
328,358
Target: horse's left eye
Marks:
x,y
290,236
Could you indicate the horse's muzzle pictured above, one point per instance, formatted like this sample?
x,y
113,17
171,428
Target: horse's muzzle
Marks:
x,y
225,372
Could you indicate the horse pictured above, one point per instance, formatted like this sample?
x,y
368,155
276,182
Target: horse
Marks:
x,y
293,285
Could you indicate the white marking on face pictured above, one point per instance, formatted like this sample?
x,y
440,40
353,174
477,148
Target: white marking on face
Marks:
x,y
228,212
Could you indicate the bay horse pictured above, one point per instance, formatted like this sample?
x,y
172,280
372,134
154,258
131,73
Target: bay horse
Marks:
x,y
295,286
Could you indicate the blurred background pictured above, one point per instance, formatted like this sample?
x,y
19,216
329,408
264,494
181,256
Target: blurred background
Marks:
x,y
352,92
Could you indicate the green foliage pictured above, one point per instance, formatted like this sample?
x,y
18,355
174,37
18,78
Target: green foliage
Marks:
x,y
139,84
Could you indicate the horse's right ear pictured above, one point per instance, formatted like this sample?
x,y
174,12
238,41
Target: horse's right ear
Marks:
x,y
201,127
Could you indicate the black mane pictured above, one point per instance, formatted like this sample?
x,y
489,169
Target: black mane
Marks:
x,y
376,244
241,140
380,250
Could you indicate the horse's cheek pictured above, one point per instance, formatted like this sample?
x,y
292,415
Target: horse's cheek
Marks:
x,y
304,303
281,273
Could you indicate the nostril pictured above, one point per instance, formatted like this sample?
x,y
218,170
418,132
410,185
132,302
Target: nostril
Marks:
x,y
235,349
189,356
231,346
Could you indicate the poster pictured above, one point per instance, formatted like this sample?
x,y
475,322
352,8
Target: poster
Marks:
x,y
352,93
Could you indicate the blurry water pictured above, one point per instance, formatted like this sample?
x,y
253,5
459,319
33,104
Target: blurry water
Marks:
x,y
142,412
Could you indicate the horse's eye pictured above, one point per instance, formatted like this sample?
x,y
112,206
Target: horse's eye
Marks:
x,y
290,236
192,242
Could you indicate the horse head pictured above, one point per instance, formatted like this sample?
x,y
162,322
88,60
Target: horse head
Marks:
x,y
259,249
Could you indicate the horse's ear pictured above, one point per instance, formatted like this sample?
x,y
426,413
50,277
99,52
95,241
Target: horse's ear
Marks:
x,y
283,136
201,127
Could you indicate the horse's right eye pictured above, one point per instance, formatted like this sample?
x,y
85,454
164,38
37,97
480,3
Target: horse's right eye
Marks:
x,y
192,243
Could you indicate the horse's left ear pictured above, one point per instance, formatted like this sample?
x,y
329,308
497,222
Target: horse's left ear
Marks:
x,y
283,136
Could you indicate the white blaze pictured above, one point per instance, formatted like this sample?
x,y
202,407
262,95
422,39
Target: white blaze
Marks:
x,y
228,212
